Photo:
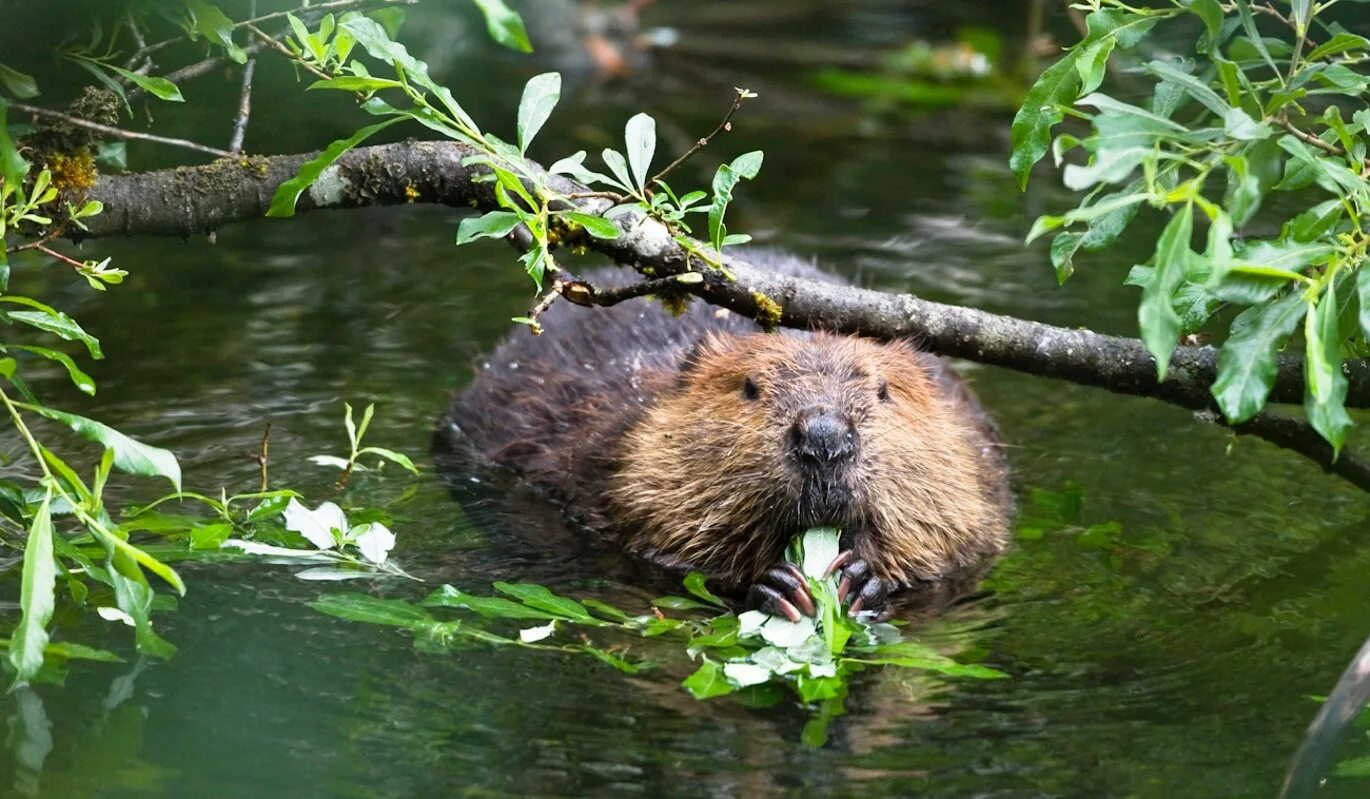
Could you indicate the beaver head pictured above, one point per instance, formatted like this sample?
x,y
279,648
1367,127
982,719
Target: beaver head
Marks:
x,y
764,436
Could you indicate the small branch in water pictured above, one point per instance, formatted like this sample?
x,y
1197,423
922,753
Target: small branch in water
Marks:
x,y
725,125
261,456
120,133
235,142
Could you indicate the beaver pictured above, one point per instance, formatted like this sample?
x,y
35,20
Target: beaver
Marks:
x,y
701,442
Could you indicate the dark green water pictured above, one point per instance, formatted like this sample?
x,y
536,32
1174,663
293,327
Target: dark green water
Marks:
x,y
1172,654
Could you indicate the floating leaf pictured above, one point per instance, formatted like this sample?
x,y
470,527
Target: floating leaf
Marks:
x,y
370,609
537,596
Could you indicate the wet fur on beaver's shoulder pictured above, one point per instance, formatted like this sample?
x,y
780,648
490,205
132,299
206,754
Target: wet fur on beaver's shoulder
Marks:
x,y
700,442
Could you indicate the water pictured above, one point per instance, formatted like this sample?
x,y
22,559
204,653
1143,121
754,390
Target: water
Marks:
x,y
1171,651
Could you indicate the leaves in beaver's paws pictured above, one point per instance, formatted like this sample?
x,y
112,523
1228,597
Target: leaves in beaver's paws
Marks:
x,y
752,656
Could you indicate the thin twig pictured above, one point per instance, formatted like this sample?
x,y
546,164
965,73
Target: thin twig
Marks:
x,y
59,256
559,285
235,142
120,133
138,57
285,51
261,457
726,124
1308,138
585,294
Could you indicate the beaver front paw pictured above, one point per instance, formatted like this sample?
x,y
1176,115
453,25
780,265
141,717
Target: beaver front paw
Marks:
x,y
871,594
782,591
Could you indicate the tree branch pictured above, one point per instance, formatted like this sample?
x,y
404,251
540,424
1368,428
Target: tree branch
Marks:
x,y
194,200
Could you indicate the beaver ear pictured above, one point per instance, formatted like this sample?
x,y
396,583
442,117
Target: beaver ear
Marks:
x,y
711,344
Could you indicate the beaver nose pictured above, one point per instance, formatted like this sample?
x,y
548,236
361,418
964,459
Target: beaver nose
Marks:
x,y
823,435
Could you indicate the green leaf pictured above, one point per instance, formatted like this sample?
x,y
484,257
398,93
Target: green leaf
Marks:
x,y
283,203
491,225
134,597
17,83
378,44
505,26
748,165
618,167
1212,15
350,83
1160,325
1313,223
726,178
708,681
372,610
1030,132
1363,295
1303,12
54,322
1063,249
160,88
537,596
540,96
1341,43
130,456
605,610
82,381
695,584
640,137
13,168
493,607
74,651
1325,398
596,226
215,26
1247,364
1091,64
1254,35
1196,88
36,595
1128,29
391,455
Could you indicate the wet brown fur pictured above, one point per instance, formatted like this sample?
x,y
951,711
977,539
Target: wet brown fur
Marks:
x,y
640,423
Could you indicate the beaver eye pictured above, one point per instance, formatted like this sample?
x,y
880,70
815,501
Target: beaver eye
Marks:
x,y
749,389
883,393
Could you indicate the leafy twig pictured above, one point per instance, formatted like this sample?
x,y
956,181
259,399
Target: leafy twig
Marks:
x,y
283,50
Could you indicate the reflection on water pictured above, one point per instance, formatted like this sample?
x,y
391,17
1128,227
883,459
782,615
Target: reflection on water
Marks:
x,y
1166,615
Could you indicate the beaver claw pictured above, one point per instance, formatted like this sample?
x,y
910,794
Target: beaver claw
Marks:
x,y
782,591
872,595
